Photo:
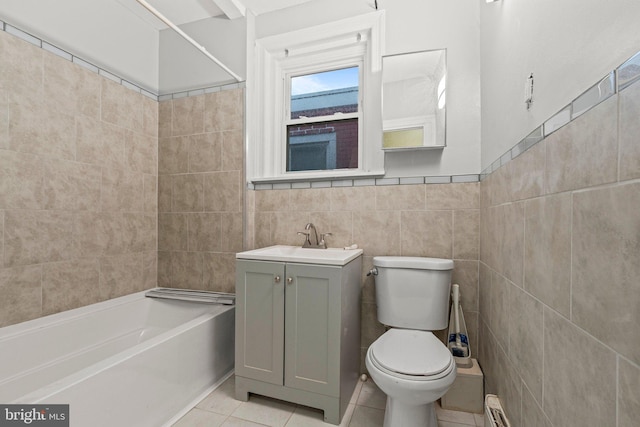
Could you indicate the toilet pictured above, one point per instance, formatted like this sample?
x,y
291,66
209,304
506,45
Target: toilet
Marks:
x,y
408,362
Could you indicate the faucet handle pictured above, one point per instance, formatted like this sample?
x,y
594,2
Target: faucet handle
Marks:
x,y
306,243
322,243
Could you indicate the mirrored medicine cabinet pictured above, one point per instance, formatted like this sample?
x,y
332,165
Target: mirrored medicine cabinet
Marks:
x,y
414,100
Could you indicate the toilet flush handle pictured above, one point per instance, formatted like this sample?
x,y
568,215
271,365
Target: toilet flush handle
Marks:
x,y
373,271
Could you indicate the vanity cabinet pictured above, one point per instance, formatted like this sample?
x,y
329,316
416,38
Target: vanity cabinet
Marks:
x,y
298,332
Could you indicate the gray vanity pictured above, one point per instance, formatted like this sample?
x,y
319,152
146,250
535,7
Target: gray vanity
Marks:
x,y
298,326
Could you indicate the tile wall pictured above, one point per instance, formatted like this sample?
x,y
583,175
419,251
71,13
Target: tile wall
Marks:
x,y
433,220
559,273
200,190
78,197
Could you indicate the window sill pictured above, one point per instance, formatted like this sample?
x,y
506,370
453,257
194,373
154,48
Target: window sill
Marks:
x,y
317,176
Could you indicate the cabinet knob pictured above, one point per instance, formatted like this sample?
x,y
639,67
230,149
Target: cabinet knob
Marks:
x,y
289,280
277,279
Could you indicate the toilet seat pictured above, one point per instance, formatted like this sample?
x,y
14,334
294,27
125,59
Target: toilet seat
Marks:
x,y
411,354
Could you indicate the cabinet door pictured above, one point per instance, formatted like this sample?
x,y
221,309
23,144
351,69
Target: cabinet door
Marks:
x,y
260,320
312,328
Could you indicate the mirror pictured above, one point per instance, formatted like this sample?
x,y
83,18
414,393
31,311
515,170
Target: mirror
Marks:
x,y
413,100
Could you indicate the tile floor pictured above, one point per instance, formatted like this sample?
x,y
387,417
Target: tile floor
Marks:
x,y
220,408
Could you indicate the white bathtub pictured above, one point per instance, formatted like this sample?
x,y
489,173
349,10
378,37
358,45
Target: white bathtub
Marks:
x,y
130,361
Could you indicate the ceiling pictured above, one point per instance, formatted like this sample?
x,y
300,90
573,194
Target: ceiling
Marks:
x,y
184,11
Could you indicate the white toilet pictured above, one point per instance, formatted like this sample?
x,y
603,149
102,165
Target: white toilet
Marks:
x,y
408,362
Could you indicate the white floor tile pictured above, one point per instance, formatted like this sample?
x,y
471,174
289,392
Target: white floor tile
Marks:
x,y
372,396
464,418
271,412
310,417
237,422
479,420
363,416
450,424
200,418
221,400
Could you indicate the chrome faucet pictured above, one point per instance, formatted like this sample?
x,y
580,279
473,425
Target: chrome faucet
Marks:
x,y
311,237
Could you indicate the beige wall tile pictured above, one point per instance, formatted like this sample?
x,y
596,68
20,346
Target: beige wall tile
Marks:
x,y
172,232
187,269
188,116
150,183
99,143
70,88
4,117
628,395
584,152
339,224
513,242
484,291
453,196
232,150
371,329
605,267
141,152
277,200
122,190
377,233
353,199
22,63
150,124
465,274
205,152
205,232
499,314
121,106
466,234
188,193
224,110
97,234
526,338
71,186
223,192
70,284
139,232
165,193
21,292
526,173
263,229
579,377
121,275
33,237
424,233
231,232
547,265
368,286
301,200
150,269
532,414
220,272
165,278
400,197
21,181
173,155
285,227
165,119
630,132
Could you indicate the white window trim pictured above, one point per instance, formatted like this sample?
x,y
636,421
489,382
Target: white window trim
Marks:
x,y
274,57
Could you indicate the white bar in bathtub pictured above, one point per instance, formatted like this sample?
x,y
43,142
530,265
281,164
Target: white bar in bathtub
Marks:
x,y
207,297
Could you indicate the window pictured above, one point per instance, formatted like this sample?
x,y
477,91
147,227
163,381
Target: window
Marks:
x,y
313,111
323,114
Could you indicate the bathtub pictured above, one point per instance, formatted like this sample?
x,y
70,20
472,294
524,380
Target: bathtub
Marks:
x,y
129,361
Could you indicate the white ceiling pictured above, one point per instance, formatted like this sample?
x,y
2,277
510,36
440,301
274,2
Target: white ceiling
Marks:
x,y
183,11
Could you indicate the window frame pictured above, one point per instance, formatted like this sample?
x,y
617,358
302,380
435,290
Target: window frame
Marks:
x,y
352,41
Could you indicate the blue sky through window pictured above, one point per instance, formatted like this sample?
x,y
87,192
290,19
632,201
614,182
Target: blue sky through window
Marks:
x,y
327,80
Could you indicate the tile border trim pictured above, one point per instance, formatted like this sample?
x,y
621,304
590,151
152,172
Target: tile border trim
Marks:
x,y
367,182
609,85
41,43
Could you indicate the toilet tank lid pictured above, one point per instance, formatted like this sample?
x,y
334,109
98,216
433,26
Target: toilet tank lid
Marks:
x,y
420,263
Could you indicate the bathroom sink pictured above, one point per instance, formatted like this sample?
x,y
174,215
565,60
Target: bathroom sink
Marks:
x,y
329,256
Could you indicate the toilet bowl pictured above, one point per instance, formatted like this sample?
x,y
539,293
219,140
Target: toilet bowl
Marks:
x,y
414,369
408,363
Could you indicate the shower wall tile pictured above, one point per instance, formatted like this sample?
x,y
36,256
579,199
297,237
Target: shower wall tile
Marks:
x,y
120,275
188,116
589,145
70,284
69,88
629,400
224,111
187,270
150,184
190,197
220,272
21,181
232,150
141,152
223,192
466,234
99,143
172,232
205,232
575,366
400,197
205,152
173,155
34,237
71,186
98,234
231,238
121,106
532,413
630,132
453,196
21,290
122,190
605,268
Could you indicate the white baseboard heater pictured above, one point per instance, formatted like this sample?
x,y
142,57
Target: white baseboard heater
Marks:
x,y
494,415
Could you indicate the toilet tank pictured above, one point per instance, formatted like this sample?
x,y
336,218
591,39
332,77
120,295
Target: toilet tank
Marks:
x,y
413,292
